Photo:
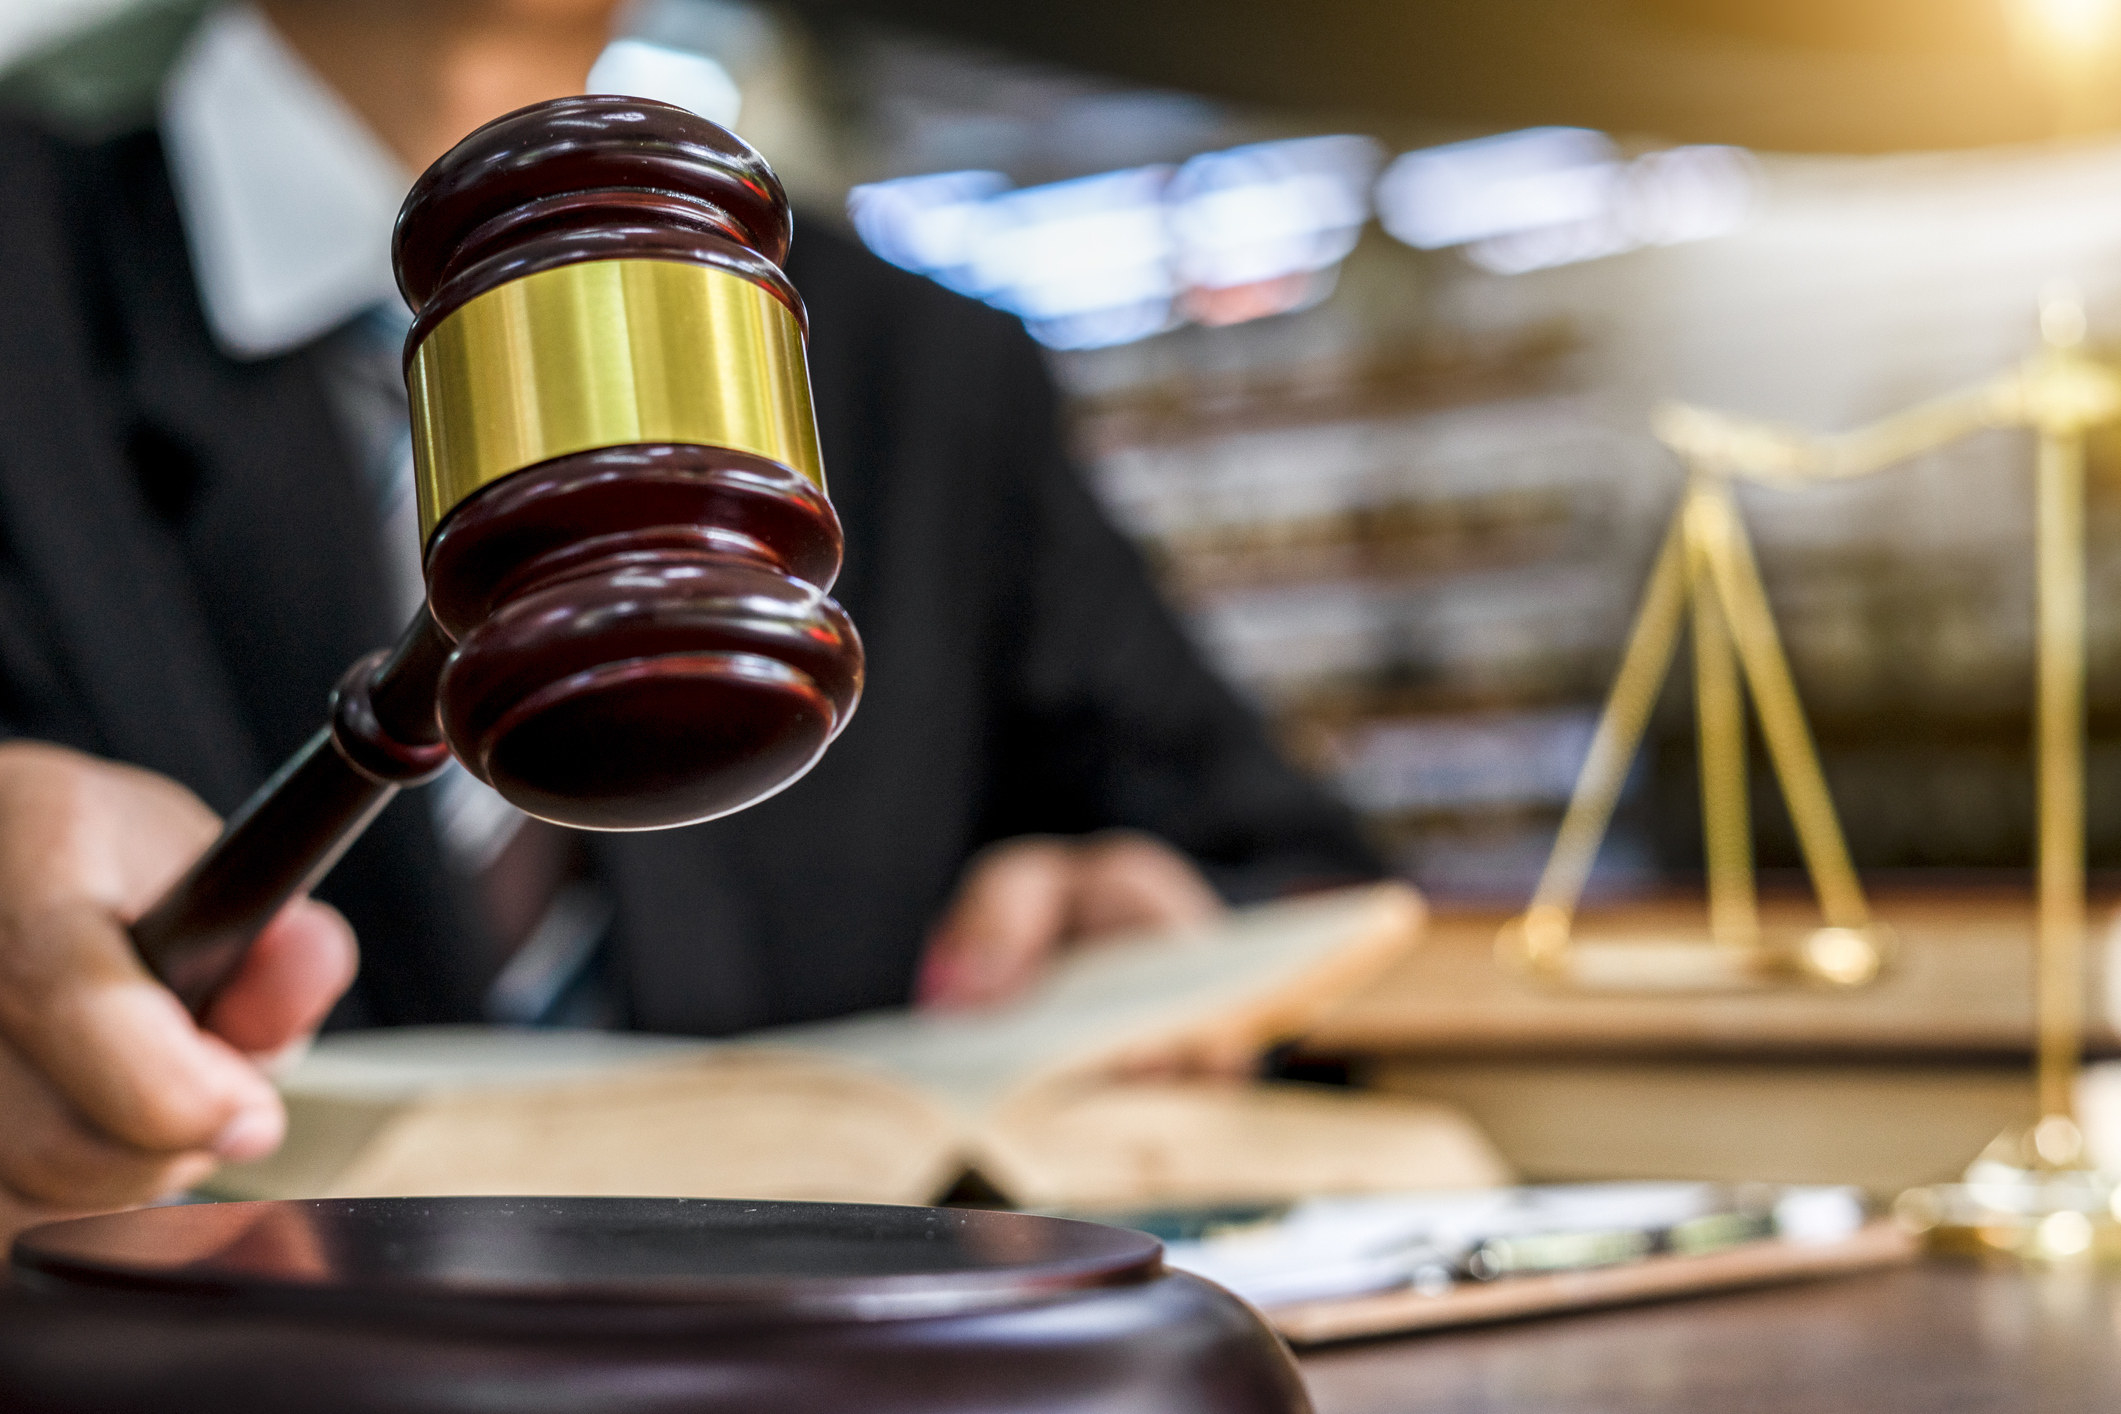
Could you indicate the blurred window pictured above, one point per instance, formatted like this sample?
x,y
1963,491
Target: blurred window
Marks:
x,y
1117,256
1553,196
686,78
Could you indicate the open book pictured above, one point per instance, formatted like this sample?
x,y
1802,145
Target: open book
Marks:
x,y
1077,1095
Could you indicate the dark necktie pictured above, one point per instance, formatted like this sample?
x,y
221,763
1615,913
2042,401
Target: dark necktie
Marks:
x,y
545,917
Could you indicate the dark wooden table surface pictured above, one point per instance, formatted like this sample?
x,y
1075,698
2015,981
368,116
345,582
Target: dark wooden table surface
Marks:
x,y
1939,1338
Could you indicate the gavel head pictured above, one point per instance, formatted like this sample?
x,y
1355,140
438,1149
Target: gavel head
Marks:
x,y
627,533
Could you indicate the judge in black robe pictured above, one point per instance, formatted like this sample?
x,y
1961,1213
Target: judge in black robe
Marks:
x,y
187,562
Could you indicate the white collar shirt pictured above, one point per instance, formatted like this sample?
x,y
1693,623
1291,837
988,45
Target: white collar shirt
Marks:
x,y
286,195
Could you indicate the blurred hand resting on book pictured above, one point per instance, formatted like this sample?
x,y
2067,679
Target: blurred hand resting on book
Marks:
x,y
110,1093
1023,900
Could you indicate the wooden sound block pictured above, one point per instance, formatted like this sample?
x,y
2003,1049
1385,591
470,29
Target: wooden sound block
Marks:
x,y
622,1306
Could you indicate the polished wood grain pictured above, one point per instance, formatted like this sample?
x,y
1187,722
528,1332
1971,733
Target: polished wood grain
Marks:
x,y
619,1306
1939,1338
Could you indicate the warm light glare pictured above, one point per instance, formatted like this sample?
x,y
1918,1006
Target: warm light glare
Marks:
x,y
2071,30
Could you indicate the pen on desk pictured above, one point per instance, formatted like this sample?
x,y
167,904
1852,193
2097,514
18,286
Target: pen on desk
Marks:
x,y
1530,1254
1326,1249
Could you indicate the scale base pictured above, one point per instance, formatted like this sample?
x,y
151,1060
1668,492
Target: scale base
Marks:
x,y
1821,957
2032,1196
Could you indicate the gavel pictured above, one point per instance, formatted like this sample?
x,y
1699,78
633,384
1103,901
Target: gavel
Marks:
x,y
628,553
628,548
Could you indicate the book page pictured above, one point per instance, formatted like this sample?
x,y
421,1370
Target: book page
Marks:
x,y
725,1125
1091,1146
1234,986
879,1107
397,1062
461,1110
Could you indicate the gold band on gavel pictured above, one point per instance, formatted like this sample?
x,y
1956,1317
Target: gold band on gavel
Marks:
x,y
604,354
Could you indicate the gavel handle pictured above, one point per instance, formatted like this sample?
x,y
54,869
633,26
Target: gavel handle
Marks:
x,y
286,837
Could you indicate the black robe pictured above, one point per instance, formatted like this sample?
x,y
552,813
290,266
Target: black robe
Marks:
x,y
188,561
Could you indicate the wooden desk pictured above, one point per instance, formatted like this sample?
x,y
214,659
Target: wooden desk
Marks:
x,y
1939,1338
1887,1086
1960,988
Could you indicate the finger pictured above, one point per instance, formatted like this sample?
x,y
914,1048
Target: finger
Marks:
x,y
78,1006
301,964
1009,914
1132,881
48,1159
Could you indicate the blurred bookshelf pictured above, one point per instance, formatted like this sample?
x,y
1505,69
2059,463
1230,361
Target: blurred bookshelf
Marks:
x,y
1417,554
1401,486
1410,516
1412,524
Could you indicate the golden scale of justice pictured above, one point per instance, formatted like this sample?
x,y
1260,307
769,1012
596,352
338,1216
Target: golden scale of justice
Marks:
x,y
2034,1192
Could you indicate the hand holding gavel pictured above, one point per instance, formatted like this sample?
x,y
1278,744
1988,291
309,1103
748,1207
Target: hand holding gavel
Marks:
x,y
628,545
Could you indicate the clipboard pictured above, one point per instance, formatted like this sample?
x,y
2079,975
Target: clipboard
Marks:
x,y
1877,1244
